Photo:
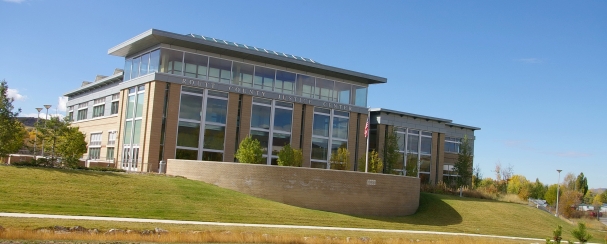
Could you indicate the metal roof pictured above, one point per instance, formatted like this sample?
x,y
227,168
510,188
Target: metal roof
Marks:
x,y
94,85
463,126
409,114
154,37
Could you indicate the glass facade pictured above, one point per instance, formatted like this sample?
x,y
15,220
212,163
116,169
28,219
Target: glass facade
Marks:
x,y
418,145
202,122
329,133
242,74
132,128
271,123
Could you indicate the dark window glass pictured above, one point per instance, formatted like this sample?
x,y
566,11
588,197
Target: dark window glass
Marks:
x,y
263,138
214,136
305,86
262,101
424,165
242,74
212,156
195,65
187,134
340,128
284,104
186,154
191,107
285,82
82,114
283,119
412,144
359,96
171,61
218,94
401,141
260,117
321,125
322,110
220,70
154,61
114,109
341,113
426,145
342,93
320,148
264,78
338,144
279,141
127,69
216,110
145,62
98,111
128,129
319,165
109,153
135,69
192,90
324,89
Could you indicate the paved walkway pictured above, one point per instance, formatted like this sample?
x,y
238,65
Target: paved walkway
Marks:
x,y
50,216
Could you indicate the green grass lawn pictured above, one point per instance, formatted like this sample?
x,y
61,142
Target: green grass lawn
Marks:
x,y
76,192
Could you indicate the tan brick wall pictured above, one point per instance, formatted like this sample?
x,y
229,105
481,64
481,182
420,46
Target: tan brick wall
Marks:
x,y
346,192
441,155
170,140
231,124
245,117
434,158
153,125
103,125
296,128
307,138
362,145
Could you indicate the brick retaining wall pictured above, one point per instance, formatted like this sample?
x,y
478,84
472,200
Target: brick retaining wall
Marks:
x,y
346,192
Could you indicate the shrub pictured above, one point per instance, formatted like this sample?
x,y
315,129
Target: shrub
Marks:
x,y
289,156
249,151
108,169
580,233
341,159
557,234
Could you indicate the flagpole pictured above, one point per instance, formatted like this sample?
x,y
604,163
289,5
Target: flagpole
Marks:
x,y
368,135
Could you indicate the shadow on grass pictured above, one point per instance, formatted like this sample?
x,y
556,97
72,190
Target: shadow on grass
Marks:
x,y
432,211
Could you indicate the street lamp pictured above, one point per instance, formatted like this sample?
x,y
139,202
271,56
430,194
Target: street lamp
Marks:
x,y
557,193
36,135
45,119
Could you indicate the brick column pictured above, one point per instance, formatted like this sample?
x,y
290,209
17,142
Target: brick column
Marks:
x,y
352,130
231,124
441,154
152,125
245,117
296,128
307,136
170,139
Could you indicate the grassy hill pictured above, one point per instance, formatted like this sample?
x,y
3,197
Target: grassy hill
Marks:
x,y
76,192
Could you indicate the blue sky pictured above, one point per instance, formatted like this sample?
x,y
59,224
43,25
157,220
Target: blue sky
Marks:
x,y
531,74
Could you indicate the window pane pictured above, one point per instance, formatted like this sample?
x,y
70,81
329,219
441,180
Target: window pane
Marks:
x,y
338,144
214,136
187,134
262,101
109,153
139,110
282,119
263,138
319,165
135,69
264,78
320,148
191,107
426,145
145,62
192,90
127,69
220,70
186,154
127,132
341,113
340,128
324,89
285,82
342,92
401,141
260,117
305,86
242,74
212,156
284,104
137,132
413,143
360,96
279,141
321,125
195,65
114,108
425,164
322,110
98,111
216,110
171,61
154,61
130,106
218,94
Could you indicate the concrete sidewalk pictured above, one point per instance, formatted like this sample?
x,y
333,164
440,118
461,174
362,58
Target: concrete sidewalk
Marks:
x,y
50,216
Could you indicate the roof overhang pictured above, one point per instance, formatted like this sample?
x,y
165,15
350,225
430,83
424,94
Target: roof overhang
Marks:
x,y
155,37
388,111
94,85
463,126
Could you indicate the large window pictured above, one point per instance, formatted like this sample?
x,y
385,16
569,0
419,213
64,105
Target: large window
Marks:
x,y
271,123
202,123
95,146
329,133
243,74
452,144
98,107
418,145
114,108
132,128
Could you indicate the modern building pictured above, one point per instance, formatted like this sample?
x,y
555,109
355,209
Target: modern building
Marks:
x,y
196,97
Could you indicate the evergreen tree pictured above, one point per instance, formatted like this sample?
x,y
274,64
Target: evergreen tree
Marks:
x,y
12,132
391,153
581,184
463,166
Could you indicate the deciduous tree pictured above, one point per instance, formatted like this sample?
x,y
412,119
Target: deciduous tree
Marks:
x,y
249,151
463,166
340,160
12,132
62,140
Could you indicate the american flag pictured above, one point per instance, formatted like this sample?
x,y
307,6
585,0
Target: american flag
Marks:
x,y
367,128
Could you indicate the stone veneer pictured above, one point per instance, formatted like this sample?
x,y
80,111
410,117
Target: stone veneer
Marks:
x,y
347,192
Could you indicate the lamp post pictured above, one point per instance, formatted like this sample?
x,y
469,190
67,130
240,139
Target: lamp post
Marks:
x,y
557,193
36,135
45,119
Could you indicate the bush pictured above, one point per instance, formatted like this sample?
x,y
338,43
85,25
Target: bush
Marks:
x,y
557,234
341,159
249,151
107,169
289,156
39,162
580,233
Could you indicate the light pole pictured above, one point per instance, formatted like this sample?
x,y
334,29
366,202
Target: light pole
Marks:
x,y
45,119
557,193
36,135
